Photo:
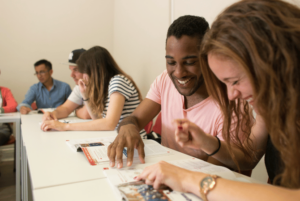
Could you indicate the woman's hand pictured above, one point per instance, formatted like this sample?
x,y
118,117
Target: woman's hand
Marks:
x,y
82,88
49,116
188,134
176,178
53,124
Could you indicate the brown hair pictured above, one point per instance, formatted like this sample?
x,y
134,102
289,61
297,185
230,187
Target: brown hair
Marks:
x,y
100,66
263,36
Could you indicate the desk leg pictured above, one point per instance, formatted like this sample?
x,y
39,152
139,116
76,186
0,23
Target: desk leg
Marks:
x,y
18,160
25,181
24,173
22,168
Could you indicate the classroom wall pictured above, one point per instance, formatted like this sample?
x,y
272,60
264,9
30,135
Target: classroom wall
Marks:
x,y
49,29
140,29
133,31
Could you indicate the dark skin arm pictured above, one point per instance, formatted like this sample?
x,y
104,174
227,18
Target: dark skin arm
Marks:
x,y
129,135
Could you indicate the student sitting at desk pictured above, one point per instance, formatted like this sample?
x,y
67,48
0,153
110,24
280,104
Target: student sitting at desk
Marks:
x,y
48,93
251,54
74,101
179,92
109,94
7,104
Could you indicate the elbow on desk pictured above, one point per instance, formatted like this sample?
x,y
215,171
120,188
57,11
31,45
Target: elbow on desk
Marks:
x,y
86,116
83,115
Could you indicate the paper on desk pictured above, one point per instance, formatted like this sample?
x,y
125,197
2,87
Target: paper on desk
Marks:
x,y
76,144
198,165
124,185
98,154
120,176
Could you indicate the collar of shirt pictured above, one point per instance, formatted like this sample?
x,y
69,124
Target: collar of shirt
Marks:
x,y
40,85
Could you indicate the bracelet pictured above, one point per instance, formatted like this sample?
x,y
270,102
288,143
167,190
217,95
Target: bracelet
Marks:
x,y
86,99
217,149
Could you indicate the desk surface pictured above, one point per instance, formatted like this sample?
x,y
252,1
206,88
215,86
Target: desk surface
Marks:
x,y
58,173
89,190
10,117
52,162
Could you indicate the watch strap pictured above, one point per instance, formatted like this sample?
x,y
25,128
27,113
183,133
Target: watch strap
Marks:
x,y
207,184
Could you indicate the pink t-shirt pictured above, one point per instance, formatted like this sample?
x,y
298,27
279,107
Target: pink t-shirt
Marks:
x,y
205,114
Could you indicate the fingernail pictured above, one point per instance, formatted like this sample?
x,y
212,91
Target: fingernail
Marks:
x,y
111,164
128,163
134,178
119,165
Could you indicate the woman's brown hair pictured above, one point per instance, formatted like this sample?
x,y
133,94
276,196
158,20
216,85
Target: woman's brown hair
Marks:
x,y
100,66
263,36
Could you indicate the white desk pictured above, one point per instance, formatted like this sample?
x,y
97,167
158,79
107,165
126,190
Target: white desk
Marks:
x,y
58,173
15,118
89,190
51,160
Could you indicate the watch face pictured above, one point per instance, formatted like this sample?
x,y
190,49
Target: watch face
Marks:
x,y
207,183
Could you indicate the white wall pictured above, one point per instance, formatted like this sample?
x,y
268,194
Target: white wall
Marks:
x,y
50,29
134,31
207,9
140,29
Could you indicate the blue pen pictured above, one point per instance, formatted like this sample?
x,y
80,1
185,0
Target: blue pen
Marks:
x,y
125,152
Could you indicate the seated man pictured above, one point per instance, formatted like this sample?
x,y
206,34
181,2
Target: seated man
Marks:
x,y
7,104
75,100
179,92
48,93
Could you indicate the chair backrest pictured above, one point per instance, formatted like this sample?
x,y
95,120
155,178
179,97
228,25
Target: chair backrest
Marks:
x,y
11,140
157,125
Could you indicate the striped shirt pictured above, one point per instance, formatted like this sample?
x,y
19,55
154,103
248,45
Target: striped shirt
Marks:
x,y
121,84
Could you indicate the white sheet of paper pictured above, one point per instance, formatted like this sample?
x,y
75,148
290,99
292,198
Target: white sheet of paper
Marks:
x,y
198,165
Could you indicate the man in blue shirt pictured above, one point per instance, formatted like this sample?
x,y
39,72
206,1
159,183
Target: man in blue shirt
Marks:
x,y
48,93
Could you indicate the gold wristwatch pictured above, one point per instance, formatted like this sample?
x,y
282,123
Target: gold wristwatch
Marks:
x,y
207,184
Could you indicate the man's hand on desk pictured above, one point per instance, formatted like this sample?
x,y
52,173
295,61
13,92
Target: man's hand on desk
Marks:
x,y
53,124
24,110
49,116
129,137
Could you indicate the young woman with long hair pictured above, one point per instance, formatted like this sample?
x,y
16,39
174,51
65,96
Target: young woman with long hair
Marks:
x,y
250,56
108,92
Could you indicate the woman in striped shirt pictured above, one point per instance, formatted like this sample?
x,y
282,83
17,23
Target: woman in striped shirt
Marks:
x,y
108,92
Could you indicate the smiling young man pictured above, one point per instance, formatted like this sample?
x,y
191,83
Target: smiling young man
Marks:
x,y
48,93
179,92
75,101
